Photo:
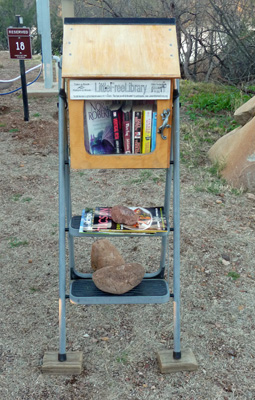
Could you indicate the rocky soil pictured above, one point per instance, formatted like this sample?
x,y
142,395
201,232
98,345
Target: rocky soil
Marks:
x,y
119,343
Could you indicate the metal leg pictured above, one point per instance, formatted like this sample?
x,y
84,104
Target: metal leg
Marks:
x,y
164,243
176,221
62,249
68,197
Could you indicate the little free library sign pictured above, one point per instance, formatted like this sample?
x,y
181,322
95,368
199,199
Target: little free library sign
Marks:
x,y
119,89
19,43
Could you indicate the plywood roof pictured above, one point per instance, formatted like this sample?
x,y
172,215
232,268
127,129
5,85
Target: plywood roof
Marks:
x,y
120,48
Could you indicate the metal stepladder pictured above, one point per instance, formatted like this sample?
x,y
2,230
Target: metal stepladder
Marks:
x,y
154,288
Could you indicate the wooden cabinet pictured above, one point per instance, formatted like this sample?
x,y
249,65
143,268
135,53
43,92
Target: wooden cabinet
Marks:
x,y
123,50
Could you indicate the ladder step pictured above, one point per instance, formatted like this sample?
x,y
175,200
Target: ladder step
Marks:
x,y
149,291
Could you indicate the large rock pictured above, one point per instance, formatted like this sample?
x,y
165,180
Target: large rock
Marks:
x,y
118,280
236,153
104,254
246,112
221,150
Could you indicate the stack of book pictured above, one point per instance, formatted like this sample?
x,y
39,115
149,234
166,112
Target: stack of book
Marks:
x,y
119,128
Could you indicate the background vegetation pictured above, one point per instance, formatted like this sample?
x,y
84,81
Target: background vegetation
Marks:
x,y
216,37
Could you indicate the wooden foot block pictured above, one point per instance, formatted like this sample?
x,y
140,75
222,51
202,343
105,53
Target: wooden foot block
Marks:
x,y
72,365
168,364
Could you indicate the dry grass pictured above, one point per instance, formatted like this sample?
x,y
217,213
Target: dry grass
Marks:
x,y
119,343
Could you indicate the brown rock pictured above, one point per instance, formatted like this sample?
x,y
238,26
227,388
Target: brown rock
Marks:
x,y
119,280
246,112
104,254
221,149
235,152
124,215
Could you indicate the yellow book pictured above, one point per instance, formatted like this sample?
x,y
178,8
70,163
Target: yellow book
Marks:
x,y
146,131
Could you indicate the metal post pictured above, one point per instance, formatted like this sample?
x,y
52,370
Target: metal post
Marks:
x,y
19,20
24,89
62,249
176,221
68,197
67,172
164,242
43,22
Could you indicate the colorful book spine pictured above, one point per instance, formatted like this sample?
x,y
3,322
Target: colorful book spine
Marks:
x,y
116,122
136,129
154,130
126,129
146,131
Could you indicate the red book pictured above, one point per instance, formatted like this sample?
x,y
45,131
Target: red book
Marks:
x,y
116,123
126,128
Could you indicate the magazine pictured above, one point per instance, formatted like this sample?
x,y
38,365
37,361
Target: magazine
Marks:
x,y
98,219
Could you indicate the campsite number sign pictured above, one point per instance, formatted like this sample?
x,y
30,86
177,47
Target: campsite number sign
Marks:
x,y
19,43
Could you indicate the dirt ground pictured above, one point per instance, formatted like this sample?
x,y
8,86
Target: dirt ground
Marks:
x,y
119,343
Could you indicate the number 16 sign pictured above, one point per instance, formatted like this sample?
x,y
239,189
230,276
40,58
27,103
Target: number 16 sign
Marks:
x,y
19,43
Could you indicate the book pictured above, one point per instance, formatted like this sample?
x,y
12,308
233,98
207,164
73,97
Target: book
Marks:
x,y
117,127
146,129
98,131
136,128
126,128
154,129
98,220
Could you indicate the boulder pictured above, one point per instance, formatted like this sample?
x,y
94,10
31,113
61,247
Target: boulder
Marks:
x,y
124,215
246,112
104,254
120,279
236,153
221,149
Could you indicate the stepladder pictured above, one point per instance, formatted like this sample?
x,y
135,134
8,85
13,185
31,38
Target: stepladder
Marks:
x,y
155,288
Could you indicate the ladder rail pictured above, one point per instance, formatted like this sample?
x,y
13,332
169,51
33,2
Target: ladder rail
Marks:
x,y
62,234
176,224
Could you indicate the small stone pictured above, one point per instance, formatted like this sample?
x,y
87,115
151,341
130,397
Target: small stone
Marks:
x,y
232,352
226,257
218,201
250,196
104,254
124,215
120,279
225,262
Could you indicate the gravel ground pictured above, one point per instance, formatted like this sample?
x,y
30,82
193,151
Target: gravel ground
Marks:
x,y
119,343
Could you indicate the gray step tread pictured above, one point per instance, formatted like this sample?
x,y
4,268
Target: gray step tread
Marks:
x,y
149,291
